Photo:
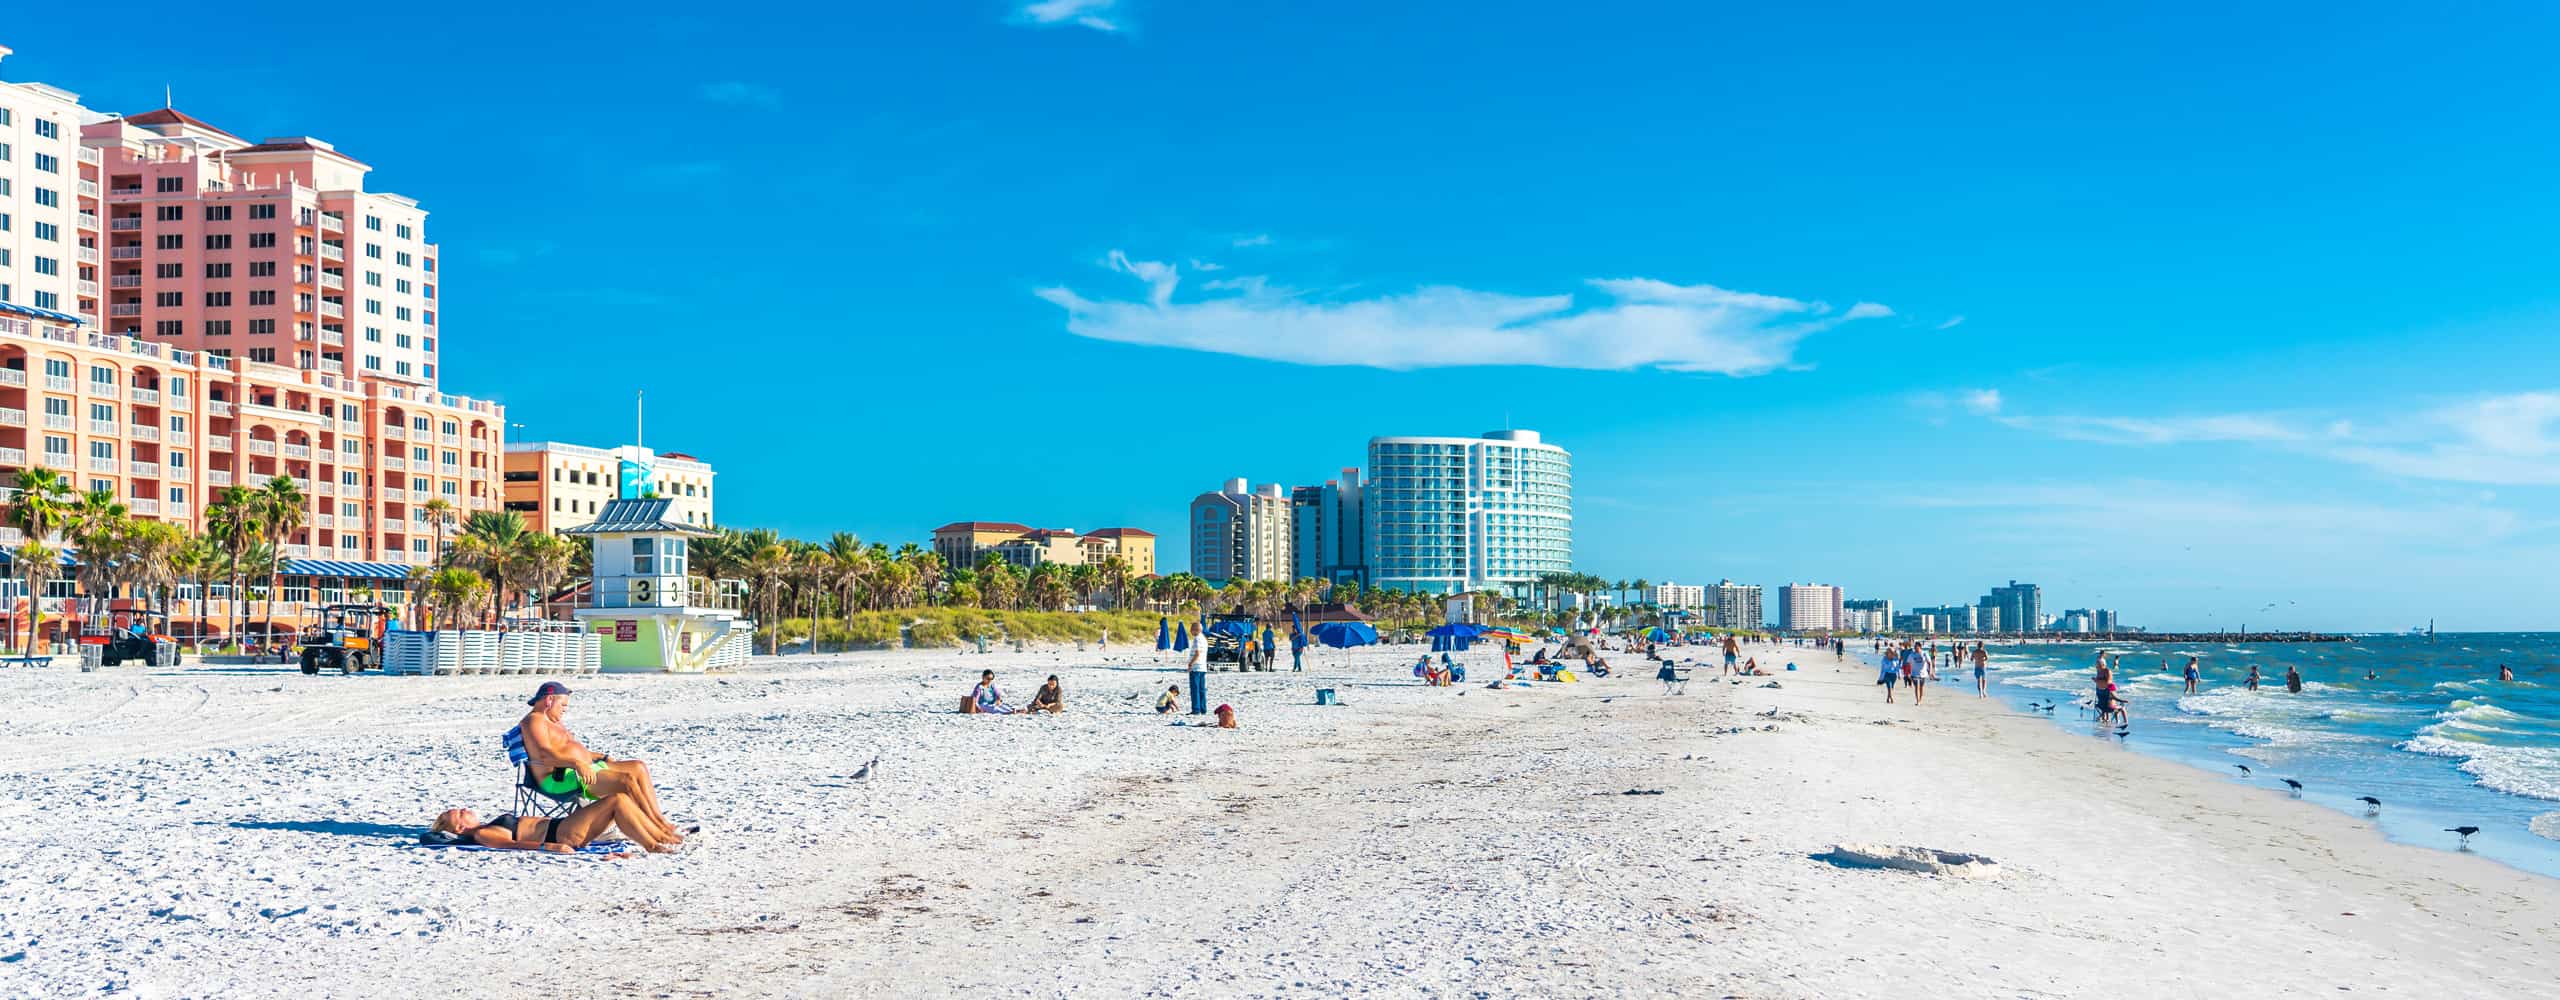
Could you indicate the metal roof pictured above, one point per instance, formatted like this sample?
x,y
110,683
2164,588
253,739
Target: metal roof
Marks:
x,y
638,516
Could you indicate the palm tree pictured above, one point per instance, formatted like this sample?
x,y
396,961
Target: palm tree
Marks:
x,y
100,527
197,560
453,592
282,510
766,570
37,509
1115,580
439,512
1086,579
488,538
232,519
537,566
151,554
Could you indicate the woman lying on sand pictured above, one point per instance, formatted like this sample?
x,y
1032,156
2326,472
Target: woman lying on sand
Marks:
x,y
508,831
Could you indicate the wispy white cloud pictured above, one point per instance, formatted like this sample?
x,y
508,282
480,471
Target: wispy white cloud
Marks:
x,y
1951,323
1099,15
1982,402
1255,240
2508,439
1630,323
740,92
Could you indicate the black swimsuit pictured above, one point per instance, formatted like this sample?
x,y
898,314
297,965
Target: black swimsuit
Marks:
x,y
509,822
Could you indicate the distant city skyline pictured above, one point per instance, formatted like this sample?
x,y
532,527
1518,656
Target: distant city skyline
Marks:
x,y
2130,303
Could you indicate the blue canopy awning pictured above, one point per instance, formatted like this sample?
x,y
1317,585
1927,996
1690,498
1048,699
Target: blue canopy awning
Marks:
x,y
58,317
358,570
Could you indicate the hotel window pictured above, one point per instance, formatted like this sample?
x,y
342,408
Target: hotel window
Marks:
x,y
418,484
102,449
170,185
400,313
170,300
402,259
373,278
401,286
264,297
47,265
172,241
104,413
262,269
47,128
261,241
373,307
48,163
401,231
373,250
372,363
347,542
177,460
402,341
49,231
217,270
217,300
266,355
172,213
218,241
48,198
220,328
59,447
373,222
217,213
170,327
373,334
177,496
400,368
644,557
262,211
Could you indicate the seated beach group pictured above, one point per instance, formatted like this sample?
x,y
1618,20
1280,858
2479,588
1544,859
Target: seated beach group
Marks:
x,y
619,794
987,699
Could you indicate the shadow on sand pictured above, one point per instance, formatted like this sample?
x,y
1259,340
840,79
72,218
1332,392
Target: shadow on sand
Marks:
x,y
339,828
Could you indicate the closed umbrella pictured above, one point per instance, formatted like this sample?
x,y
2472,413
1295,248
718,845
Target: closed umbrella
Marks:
x,y
1297,631
1181,639
1164,634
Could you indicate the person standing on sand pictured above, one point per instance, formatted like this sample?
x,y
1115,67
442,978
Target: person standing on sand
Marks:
x,y
1200,677
1927,670
1981,679
2292,679
1890,674
2194,672
1732,652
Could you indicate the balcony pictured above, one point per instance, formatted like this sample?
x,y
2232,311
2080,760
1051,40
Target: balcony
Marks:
x,y
395,493
125,310
261,446
143,432
105,390
13,376
88,255
87,287
125,191
325,489
102,463
450,439
88,189
88,220
395,432
16,457
394,462
332,310
124,253
12,418
332,281
141,468
334,337
216,407
324,520
304,451
332,251
56,460
331,222
107,427
57,421
143,505
148,397
125,224
89,155
125,281
217,477
57,383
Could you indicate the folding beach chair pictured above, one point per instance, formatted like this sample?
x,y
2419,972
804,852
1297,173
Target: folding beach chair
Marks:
x,y
531,800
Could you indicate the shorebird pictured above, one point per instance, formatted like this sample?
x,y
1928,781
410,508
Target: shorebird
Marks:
x,y
2244,769
2371,804
863,773
2465,832
2292,784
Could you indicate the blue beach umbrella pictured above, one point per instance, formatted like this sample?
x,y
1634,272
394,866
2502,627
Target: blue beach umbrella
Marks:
x,y
1455,630
1344,635
1164,634
1181,638
1240,631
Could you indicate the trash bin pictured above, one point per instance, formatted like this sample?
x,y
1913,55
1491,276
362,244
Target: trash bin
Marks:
x,y
165,653
91,654
1324,696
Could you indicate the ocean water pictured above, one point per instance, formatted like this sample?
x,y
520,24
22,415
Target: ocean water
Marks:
x,y
2425,726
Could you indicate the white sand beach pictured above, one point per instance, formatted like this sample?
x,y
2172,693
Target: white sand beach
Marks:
x,y
246,832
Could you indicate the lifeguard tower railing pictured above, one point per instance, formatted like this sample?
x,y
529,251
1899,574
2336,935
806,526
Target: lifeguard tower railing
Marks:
x,y
642,593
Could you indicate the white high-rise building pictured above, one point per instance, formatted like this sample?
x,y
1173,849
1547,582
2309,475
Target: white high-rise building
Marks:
x,y
49,197
1449,515
1809,607
1672,595
1242,533
1734,605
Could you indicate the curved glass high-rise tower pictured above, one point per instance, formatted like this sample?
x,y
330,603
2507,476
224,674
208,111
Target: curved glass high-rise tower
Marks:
x,y
1450,514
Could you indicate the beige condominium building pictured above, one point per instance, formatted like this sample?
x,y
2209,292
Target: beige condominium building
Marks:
x,y
964,544
557,486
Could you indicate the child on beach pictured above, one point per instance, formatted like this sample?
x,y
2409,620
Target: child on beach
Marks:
x,y
1226,717
1168,701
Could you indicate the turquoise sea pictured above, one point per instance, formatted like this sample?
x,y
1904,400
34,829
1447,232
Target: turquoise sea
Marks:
x,y
2424,725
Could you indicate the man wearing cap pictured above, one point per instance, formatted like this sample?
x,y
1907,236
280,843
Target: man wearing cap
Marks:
x,y
564,765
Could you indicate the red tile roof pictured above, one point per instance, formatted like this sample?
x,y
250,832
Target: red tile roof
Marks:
x,y
980,526
173,116
1120,533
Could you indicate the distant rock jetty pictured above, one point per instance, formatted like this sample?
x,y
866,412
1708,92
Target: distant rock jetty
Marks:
x,y
2231,637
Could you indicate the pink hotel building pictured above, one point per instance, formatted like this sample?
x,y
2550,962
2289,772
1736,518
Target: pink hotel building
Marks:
x,y
183,310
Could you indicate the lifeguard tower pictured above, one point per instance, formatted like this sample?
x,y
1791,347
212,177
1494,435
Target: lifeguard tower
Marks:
x,y
652,614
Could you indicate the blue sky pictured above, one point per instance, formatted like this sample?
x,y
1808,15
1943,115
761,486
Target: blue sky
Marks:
x,y
2183,311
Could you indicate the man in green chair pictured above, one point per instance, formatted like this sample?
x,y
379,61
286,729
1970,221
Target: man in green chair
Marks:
x,y
563,765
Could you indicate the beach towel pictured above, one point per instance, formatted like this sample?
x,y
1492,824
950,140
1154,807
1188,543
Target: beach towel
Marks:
x,y
596,849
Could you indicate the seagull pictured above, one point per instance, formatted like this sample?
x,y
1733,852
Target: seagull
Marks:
x,y
2465,832
2371,804
2123,731
863,773
2244,769
2292,784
